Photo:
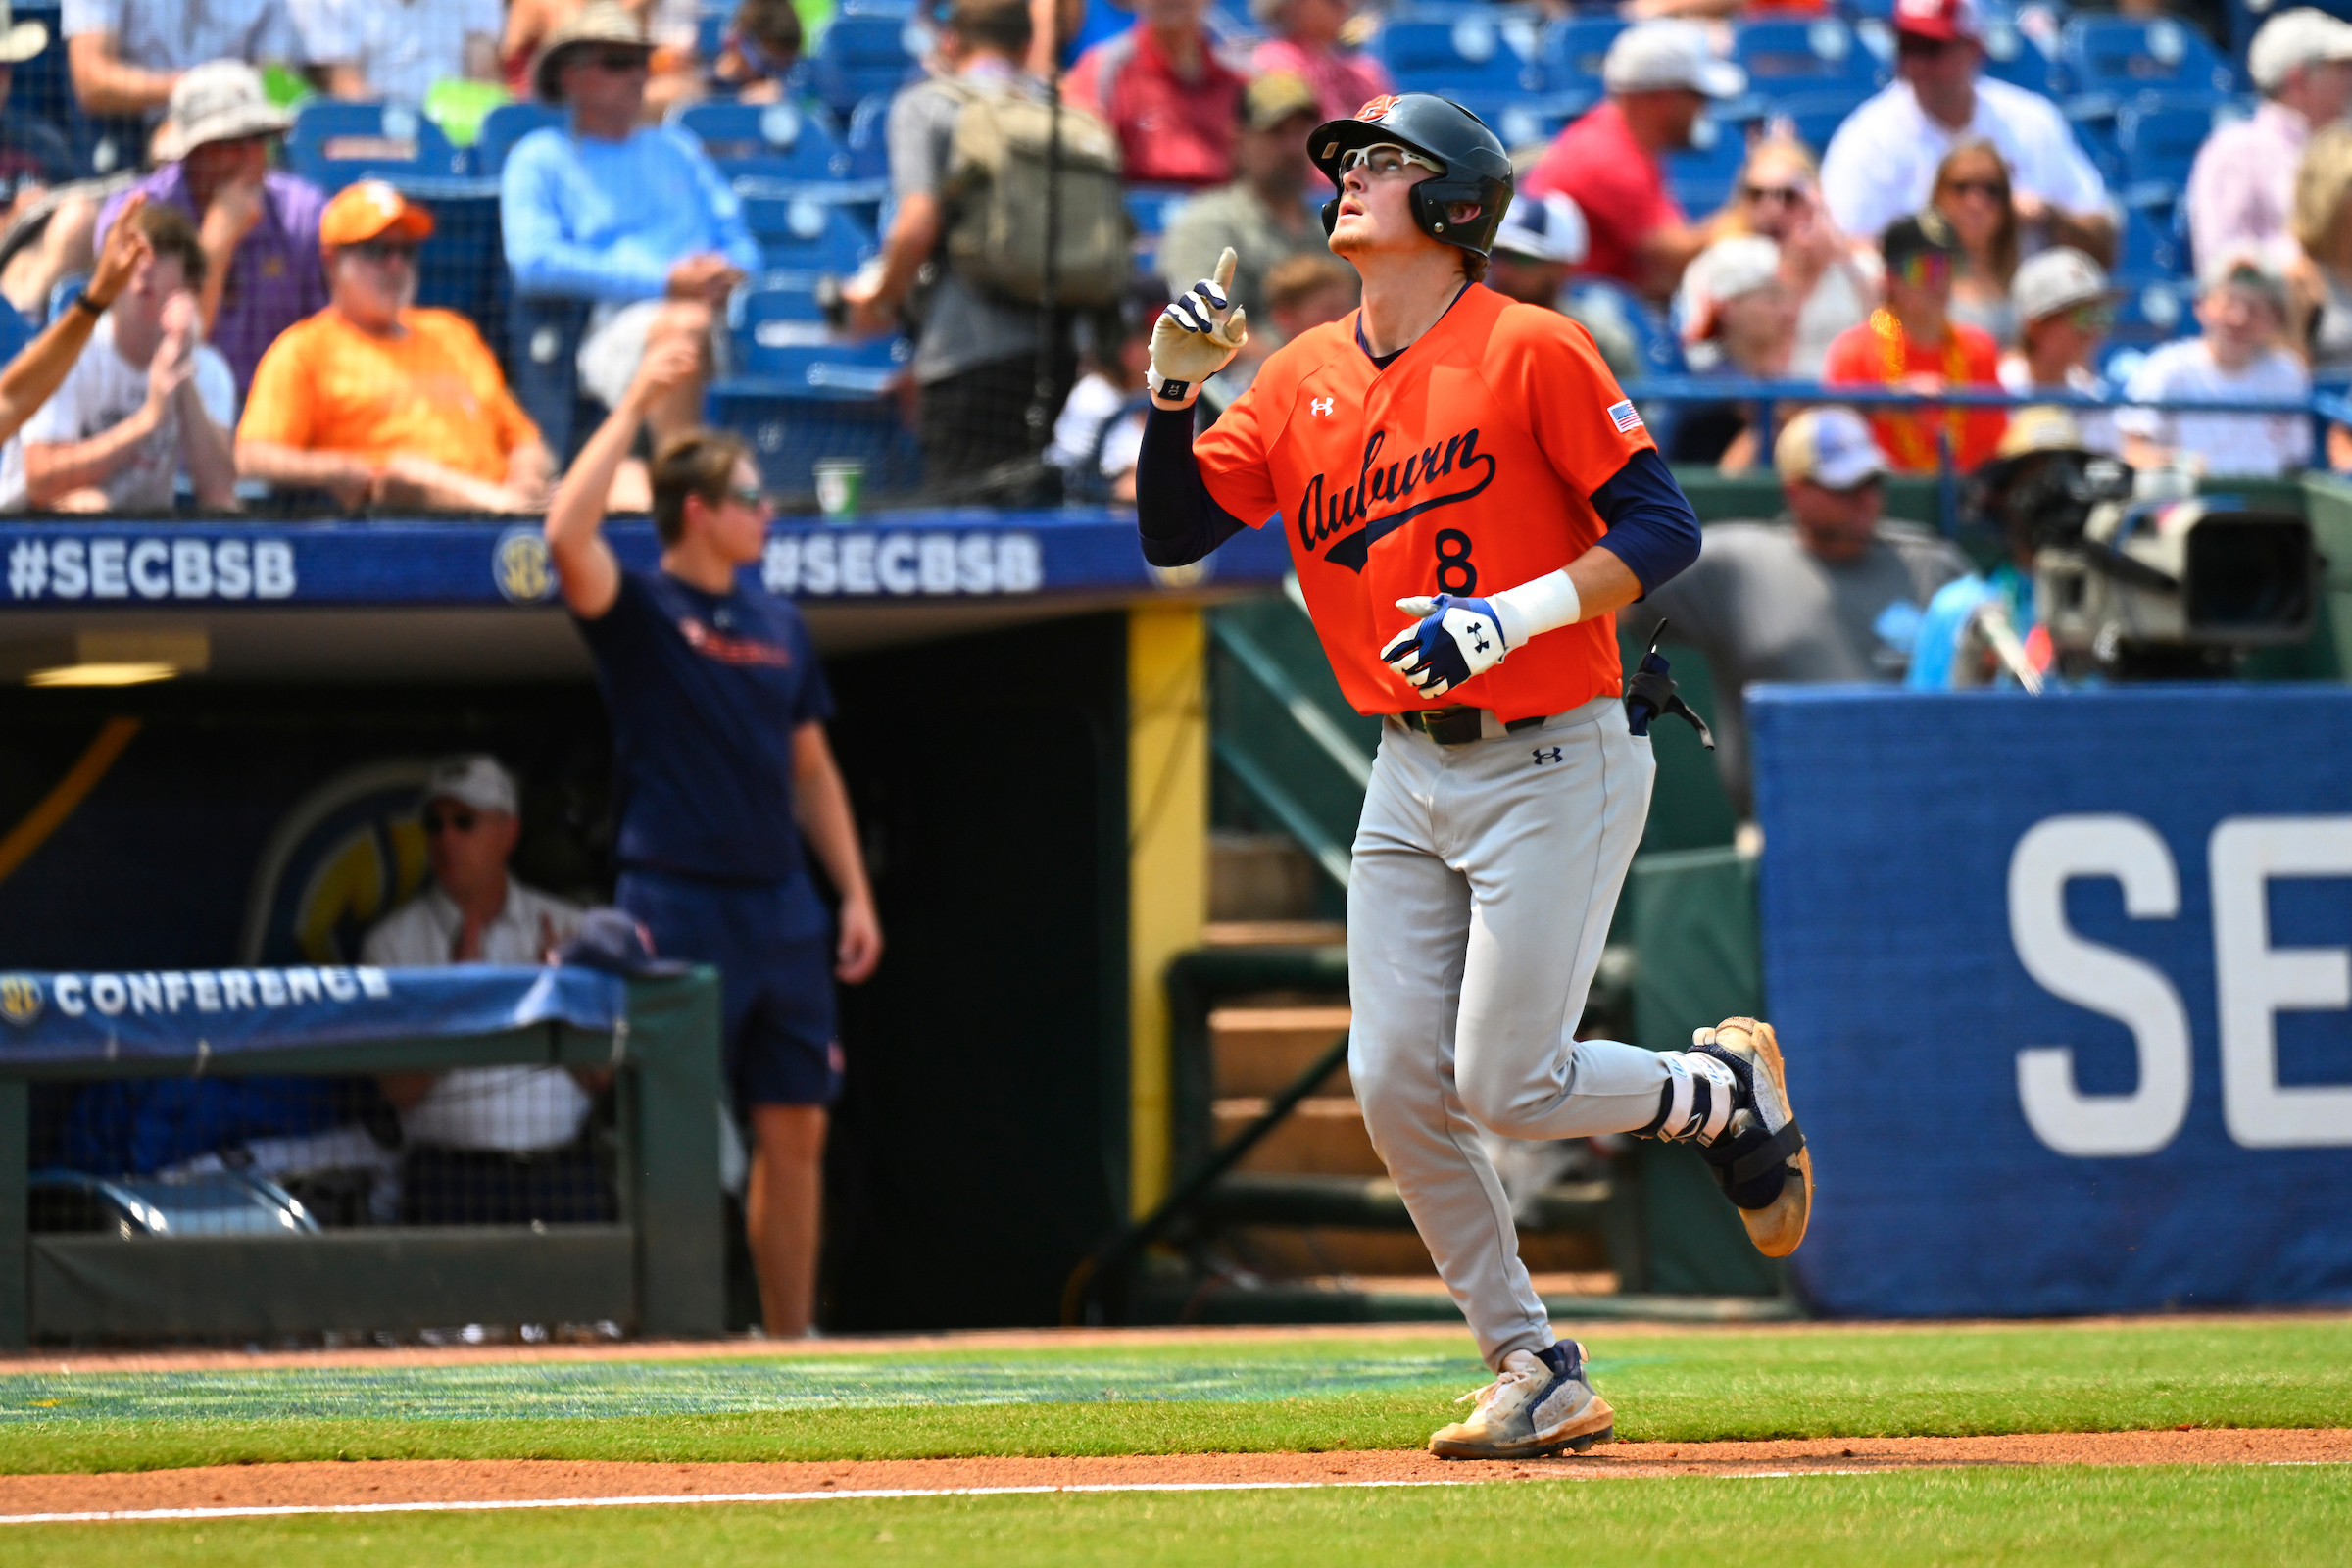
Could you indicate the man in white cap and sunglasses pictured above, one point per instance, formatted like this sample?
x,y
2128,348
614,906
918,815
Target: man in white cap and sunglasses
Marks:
x,y
1660,78
2065,305
2241,189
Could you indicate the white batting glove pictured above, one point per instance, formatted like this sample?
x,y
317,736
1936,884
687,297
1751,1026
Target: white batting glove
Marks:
x,y
1455,641
1197,336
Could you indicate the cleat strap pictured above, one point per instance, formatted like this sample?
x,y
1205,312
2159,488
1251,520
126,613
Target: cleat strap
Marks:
x,y
1773,1151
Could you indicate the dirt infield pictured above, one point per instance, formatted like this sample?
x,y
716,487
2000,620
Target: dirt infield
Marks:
x,y
425,1483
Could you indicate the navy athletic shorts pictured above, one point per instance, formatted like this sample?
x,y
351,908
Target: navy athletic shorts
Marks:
x,y
775,976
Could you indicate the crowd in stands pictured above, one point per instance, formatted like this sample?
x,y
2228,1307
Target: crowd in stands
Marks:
x,y
1935,193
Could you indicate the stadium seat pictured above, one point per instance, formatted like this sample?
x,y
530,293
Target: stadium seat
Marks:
x,y
334,143
2150,246
2131,53
2152,308
2092,120
462,267
2011,55
1813,118
1153,207
858,56
767,141
1573,52
1660,353
799,232
1701,175
777,348
506,125
1799,53
1473,56
868,138
791,427
2157,135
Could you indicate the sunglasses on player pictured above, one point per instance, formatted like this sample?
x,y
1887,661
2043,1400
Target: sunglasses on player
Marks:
x,y
1385,161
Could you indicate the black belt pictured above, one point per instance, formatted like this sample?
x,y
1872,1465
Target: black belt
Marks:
x,y
1458,725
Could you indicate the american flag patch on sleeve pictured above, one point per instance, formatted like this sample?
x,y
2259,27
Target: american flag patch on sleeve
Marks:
x,y
1623,417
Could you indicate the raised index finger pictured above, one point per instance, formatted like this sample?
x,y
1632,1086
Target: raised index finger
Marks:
x,y
1222,275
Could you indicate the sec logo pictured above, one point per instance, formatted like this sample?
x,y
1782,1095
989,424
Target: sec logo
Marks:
x,y
520,567
21,999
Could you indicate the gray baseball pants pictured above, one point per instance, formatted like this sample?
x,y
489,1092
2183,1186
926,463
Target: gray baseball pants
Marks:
x,y
1483,879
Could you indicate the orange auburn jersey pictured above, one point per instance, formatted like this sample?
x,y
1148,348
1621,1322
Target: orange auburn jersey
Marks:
x,y
1465,466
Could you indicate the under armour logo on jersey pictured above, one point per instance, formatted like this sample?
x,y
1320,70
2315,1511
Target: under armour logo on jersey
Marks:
x,y
1320,405
1545,754
1625,416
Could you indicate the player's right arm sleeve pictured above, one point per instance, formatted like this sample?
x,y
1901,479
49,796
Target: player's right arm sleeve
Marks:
x,y
1179,520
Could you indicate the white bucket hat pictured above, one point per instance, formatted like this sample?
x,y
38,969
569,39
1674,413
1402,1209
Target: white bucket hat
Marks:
x,y
221,100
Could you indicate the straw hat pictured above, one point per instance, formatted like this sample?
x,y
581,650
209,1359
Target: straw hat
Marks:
x,y
599,21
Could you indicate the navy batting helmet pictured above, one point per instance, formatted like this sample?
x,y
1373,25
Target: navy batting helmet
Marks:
x,y
1477,168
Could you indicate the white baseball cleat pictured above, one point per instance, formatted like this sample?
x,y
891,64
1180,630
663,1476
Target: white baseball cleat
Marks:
x,y
1538,1404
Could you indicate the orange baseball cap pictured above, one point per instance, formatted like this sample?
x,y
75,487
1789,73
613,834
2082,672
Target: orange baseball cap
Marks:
x,y
371,210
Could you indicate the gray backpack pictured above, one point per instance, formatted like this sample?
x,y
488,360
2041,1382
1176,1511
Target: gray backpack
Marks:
x,y
994,196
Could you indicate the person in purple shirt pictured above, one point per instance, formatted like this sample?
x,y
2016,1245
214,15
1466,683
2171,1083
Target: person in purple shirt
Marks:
x,y
258,227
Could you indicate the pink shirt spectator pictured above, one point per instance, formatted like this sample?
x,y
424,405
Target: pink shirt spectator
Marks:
x,y
1343,83
1172,132
1614,180
2241,189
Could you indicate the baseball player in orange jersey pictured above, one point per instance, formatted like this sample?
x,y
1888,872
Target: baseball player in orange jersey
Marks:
x,y
1468,496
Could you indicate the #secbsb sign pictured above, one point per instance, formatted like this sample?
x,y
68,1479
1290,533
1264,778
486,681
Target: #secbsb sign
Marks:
x,y
2066,987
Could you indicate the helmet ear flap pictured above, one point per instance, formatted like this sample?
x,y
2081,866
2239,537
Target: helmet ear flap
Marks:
x,y
1331,215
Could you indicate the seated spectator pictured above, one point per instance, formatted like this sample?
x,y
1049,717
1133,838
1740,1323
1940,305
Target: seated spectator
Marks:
x,y
1779,196
37,370
128,56
1659,75
1912,342
1828,591
147,401
1307,39
373,400
258,227
1882,163
1739,319
486,1146
631,217
756,54
1100,429
975,360
397,49
2242,305
1972,192
1984,629
667,25
1175,106
2064,304
1263,214
2241,189
1542,240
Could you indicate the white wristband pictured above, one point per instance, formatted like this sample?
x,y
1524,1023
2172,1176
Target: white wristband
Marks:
x,y
1535,608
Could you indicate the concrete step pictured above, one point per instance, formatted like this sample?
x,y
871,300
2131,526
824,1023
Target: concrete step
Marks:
x,y
1274,933
1309,1251
1260,876
1372,1203
1324,1136
1260,1051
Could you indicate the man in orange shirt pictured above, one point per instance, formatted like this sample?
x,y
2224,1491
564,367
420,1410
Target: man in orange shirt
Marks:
x,y
378,402
1462,481
1912,342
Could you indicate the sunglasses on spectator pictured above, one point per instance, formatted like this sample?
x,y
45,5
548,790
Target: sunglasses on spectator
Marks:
x,y
1385,161
1789,194
437,823
1993,191
2091,317
1913,47
385,250
617,60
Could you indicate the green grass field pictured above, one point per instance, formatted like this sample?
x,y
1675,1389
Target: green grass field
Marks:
x,y
2059,1515
1196,1396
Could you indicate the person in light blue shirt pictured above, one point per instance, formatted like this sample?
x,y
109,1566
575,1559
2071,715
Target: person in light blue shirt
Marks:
x,y
633,217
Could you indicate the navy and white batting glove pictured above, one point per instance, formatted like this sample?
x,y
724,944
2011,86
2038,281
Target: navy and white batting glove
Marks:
x,y
1454,640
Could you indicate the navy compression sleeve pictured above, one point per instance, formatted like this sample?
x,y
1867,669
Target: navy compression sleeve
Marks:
x,y
1651,526
1179,520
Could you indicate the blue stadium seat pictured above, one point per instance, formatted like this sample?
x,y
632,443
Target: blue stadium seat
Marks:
x,y
778,348
1813,118
42,87
858,56
2152,308
1606,300
463,268
2132,53
767,141
2092,120
2150,246
2013,56
1473,56
334,143
1532,121
1152,207
2158,134
803,233
1701,175
869,138
1799,53
506,125
791,427
1574,49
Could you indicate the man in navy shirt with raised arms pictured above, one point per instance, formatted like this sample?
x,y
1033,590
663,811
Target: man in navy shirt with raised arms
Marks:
x,y
717,707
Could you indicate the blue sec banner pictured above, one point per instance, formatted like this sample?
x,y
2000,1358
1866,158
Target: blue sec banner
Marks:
x,y
2063,985
194,1015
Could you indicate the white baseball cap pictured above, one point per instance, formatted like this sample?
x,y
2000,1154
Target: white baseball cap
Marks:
x,y
1830,446
472,779
1656,55
2055,279
1545,228
1722,271
2294,39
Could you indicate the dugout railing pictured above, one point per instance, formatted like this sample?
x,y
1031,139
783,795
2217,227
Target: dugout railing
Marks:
x,y
656,1269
